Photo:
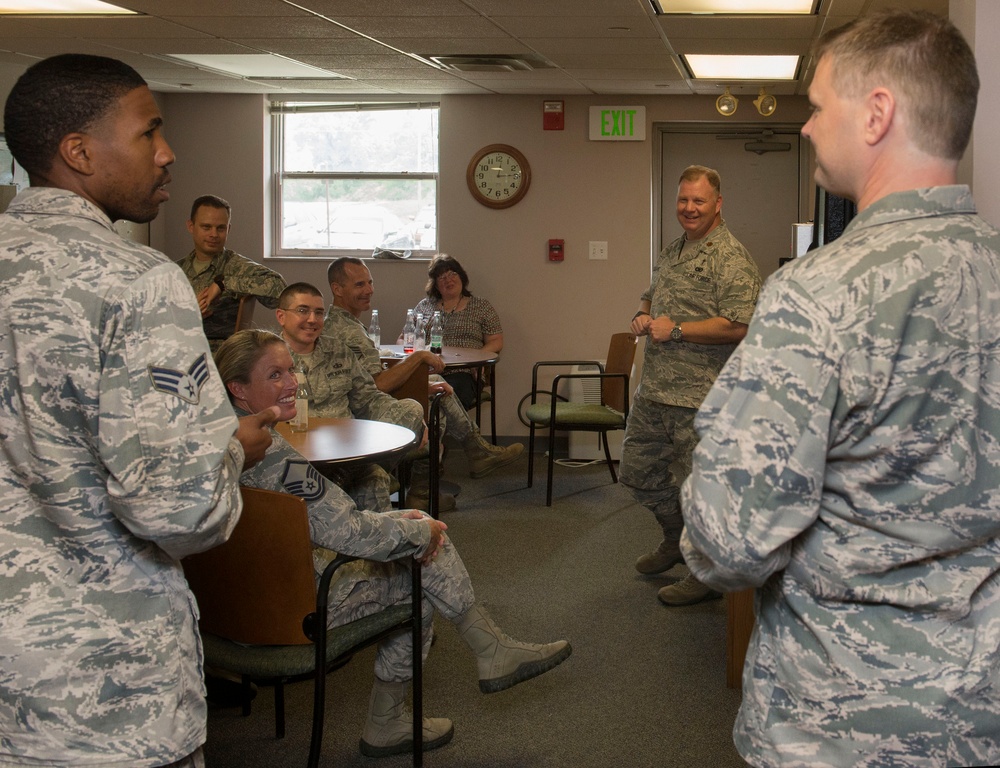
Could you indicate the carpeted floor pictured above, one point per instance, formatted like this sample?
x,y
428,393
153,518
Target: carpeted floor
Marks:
x,y
645,686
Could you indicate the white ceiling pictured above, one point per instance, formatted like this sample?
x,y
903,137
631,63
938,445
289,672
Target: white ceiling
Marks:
x,y
579,46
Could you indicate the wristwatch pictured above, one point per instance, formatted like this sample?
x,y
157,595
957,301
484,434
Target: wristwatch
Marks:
x,y
676,334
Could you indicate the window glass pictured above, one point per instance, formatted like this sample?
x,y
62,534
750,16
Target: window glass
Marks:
x,y
356,181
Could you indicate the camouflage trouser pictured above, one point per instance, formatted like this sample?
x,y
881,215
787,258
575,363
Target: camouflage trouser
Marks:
x,y
455,419
195,760
656,460
367,485
366,587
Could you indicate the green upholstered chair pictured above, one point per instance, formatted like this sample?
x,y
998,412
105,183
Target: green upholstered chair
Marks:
x,y
559,413
264,619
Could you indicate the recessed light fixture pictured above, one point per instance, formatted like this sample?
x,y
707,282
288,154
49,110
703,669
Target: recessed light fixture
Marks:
x,y
733,6
731,67
259,65
67,7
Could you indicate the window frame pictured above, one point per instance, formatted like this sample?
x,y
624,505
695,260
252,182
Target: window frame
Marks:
x,y
280,108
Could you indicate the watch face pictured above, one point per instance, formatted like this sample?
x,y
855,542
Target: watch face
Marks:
x,y
498,177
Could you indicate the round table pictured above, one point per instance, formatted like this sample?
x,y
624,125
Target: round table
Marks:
x,y
464,357
347,442
453,357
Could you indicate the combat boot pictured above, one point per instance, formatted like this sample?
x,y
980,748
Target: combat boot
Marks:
x,y
418,496
504,662
687,591
484,457
666,556
389,727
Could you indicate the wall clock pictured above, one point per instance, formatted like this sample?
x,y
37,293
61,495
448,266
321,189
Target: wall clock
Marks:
x,y
498,176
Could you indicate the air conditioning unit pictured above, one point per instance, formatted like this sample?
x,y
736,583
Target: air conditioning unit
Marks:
x,y
586,446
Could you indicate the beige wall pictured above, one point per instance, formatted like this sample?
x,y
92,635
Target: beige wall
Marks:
x,y
580,191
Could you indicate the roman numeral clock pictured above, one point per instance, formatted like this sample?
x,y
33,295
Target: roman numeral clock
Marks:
x,y
498,176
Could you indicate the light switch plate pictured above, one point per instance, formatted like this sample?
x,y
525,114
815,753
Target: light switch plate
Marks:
x,y
599,249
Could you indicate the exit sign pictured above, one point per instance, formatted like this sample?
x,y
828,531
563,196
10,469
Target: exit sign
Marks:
x,y
617,123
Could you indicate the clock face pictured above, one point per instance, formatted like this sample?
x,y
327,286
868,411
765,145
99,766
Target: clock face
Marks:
x,y
498,176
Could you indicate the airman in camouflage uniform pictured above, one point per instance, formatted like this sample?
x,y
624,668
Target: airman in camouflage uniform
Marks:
x,y
228,275
117,446
697,308
352,287
849,463
340,388
364,587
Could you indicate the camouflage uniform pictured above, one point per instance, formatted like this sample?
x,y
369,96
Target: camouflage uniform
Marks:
x,y
716,278
365,587
341,389
241,277
117,458
849,465
344,326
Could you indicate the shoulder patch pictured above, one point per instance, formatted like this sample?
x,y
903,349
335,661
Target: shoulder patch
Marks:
x,y
184,384
301,479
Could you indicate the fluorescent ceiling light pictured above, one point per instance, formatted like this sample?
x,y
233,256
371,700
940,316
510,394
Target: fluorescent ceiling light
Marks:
x,y
60,6
706,67
255,65
735,6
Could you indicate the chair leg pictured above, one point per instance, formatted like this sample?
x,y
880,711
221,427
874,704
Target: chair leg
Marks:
x,y
552,459
417,685
279,710
531,453
247,688
607,457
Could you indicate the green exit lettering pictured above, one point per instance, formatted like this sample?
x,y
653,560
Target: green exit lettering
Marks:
x,y
617,122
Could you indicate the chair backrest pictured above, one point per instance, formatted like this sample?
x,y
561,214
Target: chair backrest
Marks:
x,y
258,586
621,354
415,386
244,315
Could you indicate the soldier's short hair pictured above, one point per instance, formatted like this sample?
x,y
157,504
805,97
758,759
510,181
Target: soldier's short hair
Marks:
x,y
295,289
336,272
926,63
238,354
695,172
212,201
60,95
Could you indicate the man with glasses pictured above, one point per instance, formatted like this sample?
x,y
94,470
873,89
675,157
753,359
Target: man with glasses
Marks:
x,y
221,277
341,389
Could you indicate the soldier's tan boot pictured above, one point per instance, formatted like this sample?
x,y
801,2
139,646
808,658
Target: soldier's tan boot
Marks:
x,y
502,661
687,591
389,728
663,559
485,457
418,496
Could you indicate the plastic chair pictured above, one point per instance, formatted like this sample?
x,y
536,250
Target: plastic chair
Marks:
x,y
263,617
610,414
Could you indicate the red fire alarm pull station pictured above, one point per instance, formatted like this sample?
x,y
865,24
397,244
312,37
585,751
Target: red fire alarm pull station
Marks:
x,y
555,250
552,116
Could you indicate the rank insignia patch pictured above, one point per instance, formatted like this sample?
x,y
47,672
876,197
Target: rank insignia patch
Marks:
x,y
184,384
302,479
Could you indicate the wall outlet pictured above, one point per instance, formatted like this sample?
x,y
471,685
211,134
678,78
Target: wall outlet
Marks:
x,y
599,249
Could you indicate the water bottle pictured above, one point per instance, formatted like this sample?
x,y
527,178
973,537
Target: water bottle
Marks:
x,y
374,332
302,395
437,333
409,332
419,333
